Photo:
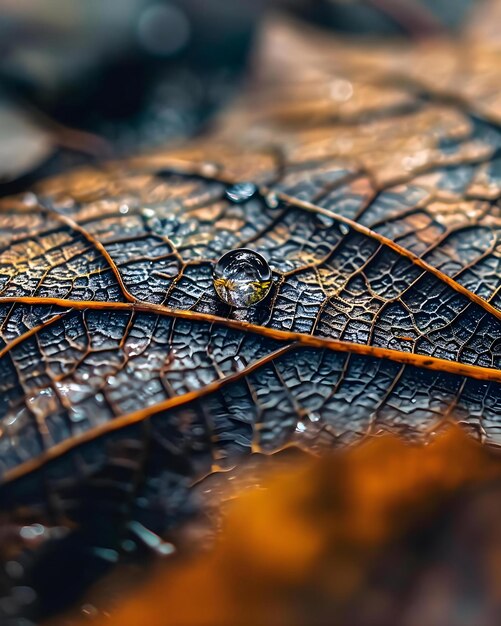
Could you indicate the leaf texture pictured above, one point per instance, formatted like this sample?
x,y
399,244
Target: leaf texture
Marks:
x,y
377,206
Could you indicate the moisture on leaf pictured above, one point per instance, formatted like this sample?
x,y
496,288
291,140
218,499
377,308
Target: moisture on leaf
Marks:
x,y
369,181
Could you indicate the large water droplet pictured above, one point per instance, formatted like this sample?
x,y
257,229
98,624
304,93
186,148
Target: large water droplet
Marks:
x,y
242,278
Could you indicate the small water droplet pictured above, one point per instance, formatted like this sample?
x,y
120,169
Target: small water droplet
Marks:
x,y
325,220
209,169
124,209
271,200
241,192
344,229
147,212
77,414
300,427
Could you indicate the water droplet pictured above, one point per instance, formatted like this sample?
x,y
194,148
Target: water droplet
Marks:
x,y
325,220
241,192
147,213
77,414
344,229
300,427
271,200
209,169
242,278
124,209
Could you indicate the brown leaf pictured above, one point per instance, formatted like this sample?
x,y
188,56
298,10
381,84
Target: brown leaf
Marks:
x,y
125,379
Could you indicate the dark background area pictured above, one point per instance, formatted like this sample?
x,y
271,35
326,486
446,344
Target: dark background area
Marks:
x,y
81,81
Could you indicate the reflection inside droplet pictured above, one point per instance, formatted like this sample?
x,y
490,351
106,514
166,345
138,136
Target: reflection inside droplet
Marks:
x,y
242,278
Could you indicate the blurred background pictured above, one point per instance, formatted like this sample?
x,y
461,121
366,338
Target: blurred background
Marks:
x,y
90,80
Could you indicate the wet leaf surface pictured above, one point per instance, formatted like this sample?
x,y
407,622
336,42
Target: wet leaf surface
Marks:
x,y
125,379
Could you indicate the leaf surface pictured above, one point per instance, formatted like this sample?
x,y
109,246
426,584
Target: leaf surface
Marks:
x,y
377,206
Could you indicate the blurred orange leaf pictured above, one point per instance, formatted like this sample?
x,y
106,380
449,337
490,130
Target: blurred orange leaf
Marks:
x,y
304,549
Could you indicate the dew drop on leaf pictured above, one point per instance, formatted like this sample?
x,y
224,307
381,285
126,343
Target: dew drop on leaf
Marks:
x,y
242,278
241,192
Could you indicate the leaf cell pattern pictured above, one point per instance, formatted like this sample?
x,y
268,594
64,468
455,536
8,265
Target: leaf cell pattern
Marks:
x,y
377,209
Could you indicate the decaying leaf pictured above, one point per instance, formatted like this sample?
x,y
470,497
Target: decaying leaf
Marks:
x,y
124,378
